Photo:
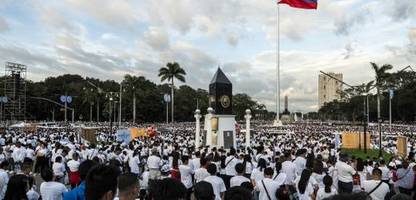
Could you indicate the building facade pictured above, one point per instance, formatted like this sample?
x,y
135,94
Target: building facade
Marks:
x,y
329,88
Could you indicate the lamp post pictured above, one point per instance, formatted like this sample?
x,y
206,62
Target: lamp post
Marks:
x,y
111,96
248,117
167,99
197,128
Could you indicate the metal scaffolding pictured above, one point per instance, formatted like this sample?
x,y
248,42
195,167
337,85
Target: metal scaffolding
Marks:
x,y
15,91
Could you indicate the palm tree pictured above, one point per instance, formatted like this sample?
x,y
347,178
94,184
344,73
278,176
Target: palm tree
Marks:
x,y
131,83
381,76
88,98
169,73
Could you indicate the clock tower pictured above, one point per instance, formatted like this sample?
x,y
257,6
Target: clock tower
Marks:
x,y
219,126
221,94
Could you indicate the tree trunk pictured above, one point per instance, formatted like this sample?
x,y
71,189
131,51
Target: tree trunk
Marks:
x,y
90,111
173,99
134,107
379,121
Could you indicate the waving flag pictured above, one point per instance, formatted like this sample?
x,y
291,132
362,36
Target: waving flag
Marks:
x,y
304,4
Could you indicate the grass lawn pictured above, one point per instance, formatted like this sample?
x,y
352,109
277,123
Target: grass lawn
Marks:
x,y
370,152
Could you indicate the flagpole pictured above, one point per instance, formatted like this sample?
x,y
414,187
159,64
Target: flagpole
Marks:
x,y
278,65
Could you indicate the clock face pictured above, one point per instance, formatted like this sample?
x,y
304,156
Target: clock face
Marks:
x,y
225,101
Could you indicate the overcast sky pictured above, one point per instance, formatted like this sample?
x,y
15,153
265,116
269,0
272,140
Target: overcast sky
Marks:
x,y
108,38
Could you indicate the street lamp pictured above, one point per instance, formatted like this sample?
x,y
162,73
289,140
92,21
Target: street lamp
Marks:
x,y
111,96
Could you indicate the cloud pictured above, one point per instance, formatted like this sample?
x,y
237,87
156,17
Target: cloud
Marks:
x,y
345,24
401,9
115,13
232,40
3,25
156,38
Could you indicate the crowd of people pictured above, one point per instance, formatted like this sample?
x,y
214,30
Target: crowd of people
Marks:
x,y
299,161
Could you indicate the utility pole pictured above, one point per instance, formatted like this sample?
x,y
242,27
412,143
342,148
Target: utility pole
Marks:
x,y
119,110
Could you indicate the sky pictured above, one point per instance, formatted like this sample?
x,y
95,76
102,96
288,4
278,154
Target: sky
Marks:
x,y
107,39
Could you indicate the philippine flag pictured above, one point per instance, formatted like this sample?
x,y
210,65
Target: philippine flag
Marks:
x,y
304,4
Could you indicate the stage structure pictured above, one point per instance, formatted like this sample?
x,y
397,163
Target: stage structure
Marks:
x,y
15,91
219,126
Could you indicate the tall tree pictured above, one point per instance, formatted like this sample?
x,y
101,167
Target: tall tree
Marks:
x,y
171,72
131,84
381,77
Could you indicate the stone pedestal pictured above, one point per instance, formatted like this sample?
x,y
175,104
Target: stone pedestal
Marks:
x,y
219,130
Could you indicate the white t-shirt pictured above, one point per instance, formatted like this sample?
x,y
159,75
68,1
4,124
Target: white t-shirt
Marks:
x,y
32,194
308,192
4,179
58,169
153,162
300,163
237,180
230,162
271,187
201,174
257,175
379,193
217,184
73,165
290,170
321,194
134,164
52,190
345,172
186,177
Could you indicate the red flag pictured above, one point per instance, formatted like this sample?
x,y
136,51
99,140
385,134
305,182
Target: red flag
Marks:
x,y
305,4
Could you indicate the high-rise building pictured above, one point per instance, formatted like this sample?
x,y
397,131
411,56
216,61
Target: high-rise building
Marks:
x,y
329,88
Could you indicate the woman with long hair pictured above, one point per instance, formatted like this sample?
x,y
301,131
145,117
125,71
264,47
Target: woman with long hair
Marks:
x,y
361,174
17,188
318,173
248,165
327,190
279,176
304,187
257,174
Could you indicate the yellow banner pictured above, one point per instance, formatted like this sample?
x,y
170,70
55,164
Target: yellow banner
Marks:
x,y
352,140
137,132
402,146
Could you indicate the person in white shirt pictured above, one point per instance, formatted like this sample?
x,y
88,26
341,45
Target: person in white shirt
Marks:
x,y
376,188
32,194
258,173
327,190
278,175
216,182
186,174
201,173
239,179
58,169
385,172
300,161
4,178
304,186
51,190
230,163
19,153
267,186
289,168
134,162
153,164
195,163
73,165
405,176
345,173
